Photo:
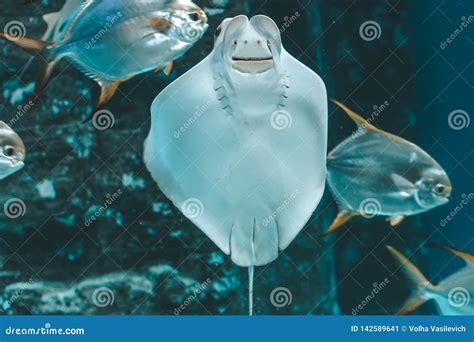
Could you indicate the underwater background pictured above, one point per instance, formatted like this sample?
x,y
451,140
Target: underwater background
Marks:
x,y
141,256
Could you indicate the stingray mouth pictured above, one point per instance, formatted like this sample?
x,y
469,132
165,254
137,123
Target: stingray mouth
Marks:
x,y
252,65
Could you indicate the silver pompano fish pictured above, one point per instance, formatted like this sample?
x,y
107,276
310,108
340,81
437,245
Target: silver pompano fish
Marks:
x,y
453,295
376,173
12,151
112,41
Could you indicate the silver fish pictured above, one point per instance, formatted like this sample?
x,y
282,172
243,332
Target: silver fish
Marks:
x,y
12,151
453,295
112,41
377,173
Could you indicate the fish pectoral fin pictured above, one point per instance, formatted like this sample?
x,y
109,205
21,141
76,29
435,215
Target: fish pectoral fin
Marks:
x,y
396,220
468,258
158,69
169,68
160,25
342,217
51,18
403,184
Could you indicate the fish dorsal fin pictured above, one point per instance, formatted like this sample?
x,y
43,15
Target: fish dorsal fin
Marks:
x,y
51,18
360,121
468,258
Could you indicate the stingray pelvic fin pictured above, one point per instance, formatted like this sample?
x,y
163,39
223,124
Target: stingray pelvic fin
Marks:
x,y
342,217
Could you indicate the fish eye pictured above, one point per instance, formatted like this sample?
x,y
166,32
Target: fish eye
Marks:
x,y
196,16
439,189
9,151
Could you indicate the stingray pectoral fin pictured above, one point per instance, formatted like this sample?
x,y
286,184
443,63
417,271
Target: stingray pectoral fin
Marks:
x,y
169,68
342,217
417,280
395,220
468,258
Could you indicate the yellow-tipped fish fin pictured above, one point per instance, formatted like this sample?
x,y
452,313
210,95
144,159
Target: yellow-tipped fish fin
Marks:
x,y
32,46
169,68
416,278
396,220
160,25
46,70
107,91
158,69
360,121
468,258
342,217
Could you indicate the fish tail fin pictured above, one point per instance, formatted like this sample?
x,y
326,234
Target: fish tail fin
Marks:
x,y
419,282
30,45
342,217
36,48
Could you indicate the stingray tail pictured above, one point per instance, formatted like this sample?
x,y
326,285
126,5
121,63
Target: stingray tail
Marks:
x,y
421,286
251,270
38,49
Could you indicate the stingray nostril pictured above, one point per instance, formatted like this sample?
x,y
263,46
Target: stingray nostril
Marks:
x,y
246,42
259,42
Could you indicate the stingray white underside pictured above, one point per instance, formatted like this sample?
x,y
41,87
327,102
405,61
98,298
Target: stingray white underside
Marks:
x,y
249,187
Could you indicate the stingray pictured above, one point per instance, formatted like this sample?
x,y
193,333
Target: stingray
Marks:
x,y
238,143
